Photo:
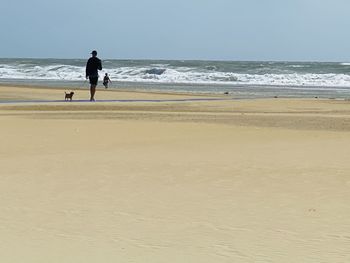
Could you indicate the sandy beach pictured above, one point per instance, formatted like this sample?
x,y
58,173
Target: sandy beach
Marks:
x,y
161,177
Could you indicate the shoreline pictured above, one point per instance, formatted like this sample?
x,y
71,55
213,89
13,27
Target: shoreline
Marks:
x,y
241,91
302,114
102,89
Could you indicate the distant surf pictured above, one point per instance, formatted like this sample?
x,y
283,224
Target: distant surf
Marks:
x,y
241,78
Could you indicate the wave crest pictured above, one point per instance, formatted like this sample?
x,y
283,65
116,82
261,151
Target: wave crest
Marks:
x,y
190,73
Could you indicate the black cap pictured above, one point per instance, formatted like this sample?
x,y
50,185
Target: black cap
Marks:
x,y
94,52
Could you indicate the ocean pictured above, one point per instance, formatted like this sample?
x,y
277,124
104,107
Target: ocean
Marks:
x,y
250,79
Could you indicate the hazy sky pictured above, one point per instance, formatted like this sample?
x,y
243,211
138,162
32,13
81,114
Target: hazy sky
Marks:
x,y
316,30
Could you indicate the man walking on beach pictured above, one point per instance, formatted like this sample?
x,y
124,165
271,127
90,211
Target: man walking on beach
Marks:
x,y
92,66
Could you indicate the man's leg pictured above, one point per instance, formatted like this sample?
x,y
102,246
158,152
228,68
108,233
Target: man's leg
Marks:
x,y
92,92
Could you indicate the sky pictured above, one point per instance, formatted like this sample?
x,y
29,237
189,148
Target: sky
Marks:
x,y
272,30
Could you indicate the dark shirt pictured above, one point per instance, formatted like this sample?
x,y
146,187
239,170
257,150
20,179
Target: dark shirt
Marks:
x,y
92,65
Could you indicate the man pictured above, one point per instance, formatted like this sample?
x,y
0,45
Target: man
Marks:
x,y
92,66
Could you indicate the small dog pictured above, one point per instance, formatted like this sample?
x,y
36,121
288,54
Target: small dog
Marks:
x,y
68,96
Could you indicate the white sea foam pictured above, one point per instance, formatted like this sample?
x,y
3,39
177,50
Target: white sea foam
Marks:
x,y
52,72
195,77
164,73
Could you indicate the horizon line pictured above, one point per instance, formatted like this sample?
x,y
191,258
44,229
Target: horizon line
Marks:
x,y
165,59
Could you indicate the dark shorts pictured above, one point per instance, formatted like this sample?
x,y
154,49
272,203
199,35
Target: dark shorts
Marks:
x,y
93,80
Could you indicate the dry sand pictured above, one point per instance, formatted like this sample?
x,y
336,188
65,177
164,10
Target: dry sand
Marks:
x,y
197,181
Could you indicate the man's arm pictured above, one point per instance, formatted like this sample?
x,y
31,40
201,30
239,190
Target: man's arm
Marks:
x,y
100,65
86,70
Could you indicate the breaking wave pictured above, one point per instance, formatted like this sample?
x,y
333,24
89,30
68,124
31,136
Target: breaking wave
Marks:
x,y
185,72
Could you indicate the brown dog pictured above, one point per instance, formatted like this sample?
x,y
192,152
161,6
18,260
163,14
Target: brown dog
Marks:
x,y
68,96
